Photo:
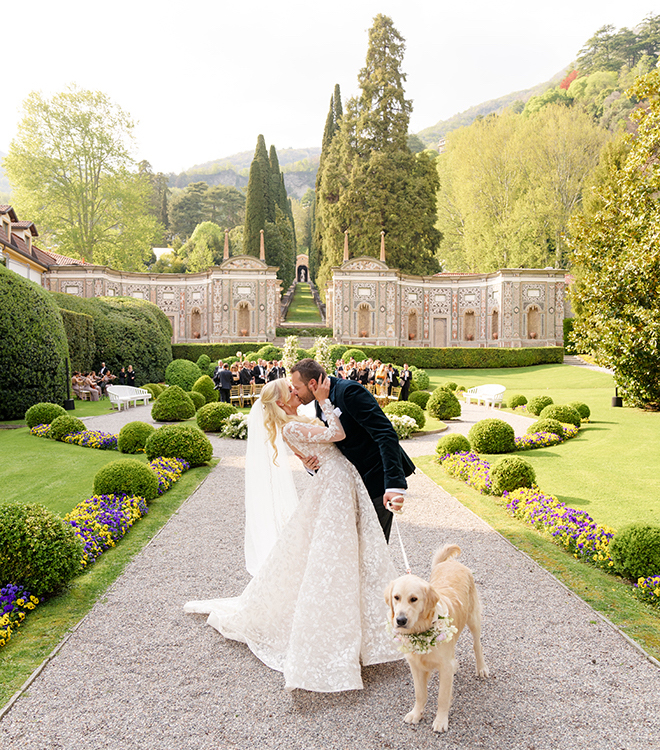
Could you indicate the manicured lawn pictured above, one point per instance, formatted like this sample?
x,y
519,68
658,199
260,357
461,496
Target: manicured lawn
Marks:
x,y
83,409
610,469
303,309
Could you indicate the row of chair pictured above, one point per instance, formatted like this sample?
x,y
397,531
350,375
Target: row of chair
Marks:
x,y
244,395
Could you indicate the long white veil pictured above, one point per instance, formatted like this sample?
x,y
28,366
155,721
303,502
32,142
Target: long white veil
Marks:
x,y
270,494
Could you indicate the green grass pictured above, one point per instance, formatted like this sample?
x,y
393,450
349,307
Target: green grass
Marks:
x,y
303,309
47,625
83,409
610,469
606,593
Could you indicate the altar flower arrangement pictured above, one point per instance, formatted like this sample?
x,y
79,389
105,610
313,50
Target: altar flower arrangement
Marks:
x,y
235,427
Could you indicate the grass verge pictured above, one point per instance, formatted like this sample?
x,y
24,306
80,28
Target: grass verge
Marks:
x,y
48,624
607,594
303,309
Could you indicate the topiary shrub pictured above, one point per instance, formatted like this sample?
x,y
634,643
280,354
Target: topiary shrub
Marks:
x,y
492,436
582,409
562,413
204,385
461,389
454,443
65,425
450,386
33,347
43,413
269,352
546,425
517,399
421,398
154,389
203,362
182,372
537,404
420,379
443,405
212,417
357,354
635,550
510,473
197,398
133,436
127,477
173,405
37,548
408,408
182,441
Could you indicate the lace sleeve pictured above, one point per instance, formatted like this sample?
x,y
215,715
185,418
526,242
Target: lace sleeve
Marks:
x,y
312,433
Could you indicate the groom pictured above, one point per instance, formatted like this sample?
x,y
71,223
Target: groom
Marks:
x,y
371,444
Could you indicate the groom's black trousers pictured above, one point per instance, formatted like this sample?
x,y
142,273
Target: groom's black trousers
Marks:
x,y
384,516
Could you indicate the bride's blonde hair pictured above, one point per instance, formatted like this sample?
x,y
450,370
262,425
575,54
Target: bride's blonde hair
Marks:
x,y
274,416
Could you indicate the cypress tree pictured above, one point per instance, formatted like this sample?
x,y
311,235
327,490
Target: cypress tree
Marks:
x,y
255,209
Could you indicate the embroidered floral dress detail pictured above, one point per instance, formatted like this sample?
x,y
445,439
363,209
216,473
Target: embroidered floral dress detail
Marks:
x,y
315,609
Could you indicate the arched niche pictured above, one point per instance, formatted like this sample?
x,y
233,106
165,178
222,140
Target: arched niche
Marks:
x,y
495,325
364,320
196,324
469,325
243,319
412,325
534,322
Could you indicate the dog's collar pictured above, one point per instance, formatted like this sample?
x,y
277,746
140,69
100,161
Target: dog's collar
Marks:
x,y
441,631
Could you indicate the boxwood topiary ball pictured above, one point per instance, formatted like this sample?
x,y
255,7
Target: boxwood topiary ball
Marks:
x,y
408,408
443,404
154,389
449,386
517,399
197,398
420,379
65,425
492,436
126,477
204,385
537,404
212,417
510,473
203,362
173,405
43,414
182,372
547,425
421,398
37,548
357,354
174,441
635,550
582,409
454,443
133,436
562,413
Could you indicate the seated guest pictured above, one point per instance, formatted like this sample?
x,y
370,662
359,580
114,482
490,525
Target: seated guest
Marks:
x,y
235,375
245,374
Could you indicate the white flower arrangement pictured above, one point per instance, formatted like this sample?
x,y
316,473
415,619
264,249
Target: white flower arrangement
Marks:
x,y
322,353
403,425
440,631
235,427
290,352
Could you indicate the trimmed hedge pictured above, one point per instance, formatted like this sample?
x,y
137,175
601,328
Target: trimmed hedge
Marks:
x,y
79,329
33,347
635,550
582,409
492,436
65,425
203,362
284,331
562,413
420,379
546,425
510,473
180,441
182,372
537,404
133,436
455,443
127,331
212,417
155,389
421,398
204,385
173,405
443,404
357,354
516,399
270,352
43,414
197,398
126,477
448,358
408,408
37,548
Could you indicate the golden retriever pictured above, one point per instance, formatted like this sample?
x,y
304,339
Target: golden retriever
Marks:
x,y
413,606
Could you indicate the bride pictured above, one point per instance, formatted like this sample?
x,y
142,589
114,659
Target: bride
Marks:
x,y
315,609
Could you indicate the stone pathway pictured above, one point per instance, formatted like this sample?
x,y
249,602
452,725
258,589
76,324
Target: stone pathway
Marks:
x,y
140,673
574,361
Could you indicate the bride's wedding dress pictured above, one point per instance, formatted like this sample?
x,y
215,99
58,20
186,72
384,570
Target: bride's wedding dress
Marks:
x,y
315,610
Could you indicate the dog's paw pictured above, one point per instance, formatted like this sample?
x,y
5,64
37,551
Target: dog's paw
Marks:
x,y
441,723
483,672
413,717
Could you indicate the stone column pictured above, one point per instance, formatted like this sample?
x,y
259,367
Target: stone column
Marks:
x,y
345,246
262,248
382,245
225,253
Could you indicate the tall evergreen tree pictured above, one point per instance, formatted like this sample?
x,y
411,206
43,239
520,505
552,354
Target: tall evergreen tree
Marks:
x,y
255,209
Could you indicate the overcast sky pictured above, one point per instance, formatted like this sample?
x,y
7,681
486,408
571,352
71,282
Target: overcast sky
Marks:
x,y
204,77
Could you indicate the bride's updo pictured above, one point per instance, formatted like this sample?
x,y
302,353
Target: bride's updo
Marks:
x,y
274,416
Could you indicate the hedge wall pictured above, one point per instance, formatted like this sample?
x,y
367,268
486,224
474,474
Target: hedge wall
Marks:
x,y
449,358
33,347
79,329
127,331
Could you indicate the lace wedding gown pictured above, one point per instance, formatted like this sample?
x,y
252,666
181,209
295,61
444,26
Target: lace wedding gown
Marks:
x,y
315,609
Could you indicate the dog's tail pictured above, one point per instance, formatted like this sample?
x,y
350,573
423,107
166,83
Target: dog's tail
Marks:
x,y
445,553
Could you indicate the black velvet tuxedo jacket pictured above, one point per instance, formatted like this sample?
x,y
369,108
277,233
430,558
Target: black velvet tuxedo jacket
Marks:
x,y
371,444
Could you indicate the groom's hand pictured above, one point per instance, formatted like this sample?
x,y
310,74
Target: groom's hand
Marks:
x,y
394,498
311,463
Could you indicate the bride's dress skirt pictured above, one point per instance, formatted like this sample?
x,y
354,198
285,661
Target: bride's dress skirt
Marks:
x,y
315,610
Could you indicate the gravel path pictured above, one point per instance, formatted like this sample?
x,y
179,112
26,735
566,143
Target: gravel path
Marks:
x,y
139,673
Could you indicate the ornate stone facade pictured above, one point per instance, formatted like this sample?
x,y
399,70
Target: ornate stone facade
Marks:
x,y
370,303
238,300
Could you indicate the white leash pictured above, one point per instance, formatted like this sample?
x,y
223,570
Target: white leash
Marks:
x,y
396,526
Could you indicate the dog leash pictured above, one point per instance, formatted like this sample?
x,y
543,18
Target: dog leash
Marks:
x,y
396,513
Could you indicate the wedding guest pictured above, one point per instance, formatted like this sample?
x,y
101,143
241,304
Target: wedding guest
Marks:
x,y
130,376
225,384
91,387
235,375
392,379
381,378
352,371
406,378
121,378
245,374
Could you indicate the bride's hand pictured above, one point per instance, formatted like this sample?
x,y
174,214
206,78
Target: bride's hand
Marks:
x,y
322,390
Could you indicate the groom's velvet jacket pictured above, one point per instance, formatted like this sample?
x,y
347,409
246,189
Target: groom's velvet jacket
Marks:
x,y
371,444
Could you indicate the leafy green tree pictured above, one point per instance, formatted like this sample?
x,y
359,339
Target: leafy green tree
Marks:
x,y
224,205
616,258
169,263
204,248
73,175
186,210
